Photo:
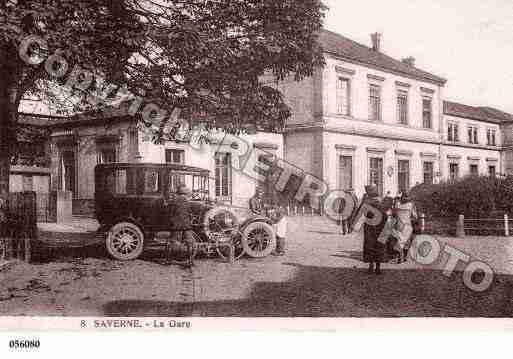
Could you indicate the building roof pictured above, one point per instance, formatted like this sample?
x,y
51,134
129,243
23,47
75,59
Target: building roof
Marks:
x,y
341,46
93,117
487,114
37,120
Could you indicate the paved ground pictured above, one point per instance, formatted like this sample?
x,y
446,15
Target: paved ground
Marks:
x,y
321,275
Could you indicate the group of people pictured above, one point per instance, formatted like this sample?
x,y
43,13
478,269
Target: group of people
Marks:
x,y
391,237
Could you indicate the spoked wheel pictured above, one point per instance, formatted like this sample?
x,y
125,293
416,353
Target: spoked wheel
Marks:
x,y
258,240
235,237
125,241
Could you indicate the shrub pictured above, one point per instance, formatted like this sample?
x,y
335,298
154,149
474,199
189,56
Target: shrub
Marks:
x,y
472,196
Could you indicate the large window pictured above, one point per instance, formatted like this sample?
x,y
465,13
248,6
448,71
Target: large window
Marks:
x,y
492,171
474,169
175,156
151,181
427,112
116,182
343,96
472,135
403,175
452,132
375,102
491,135
376,173
454,170
223,176
428,172
345,172
106,149
402,107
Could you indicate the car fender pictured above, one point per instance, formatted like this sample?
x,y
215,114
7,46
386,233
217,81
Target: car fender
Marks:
x,y
106,227
253,219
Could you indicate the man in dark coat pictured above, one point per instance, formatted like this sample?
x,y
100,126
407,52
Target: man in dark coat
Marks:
x,y
373,250
181,222
256,205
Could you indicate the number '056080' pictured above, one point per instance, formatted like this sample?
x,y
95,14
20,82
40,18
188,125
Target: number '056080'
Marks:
x,y
24,344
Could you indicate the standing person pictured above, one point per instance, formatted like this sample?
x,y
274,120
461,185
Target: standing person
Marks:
x,y
344,222
355,210
373,249
181,222
280,228
388,201
405,213
256,205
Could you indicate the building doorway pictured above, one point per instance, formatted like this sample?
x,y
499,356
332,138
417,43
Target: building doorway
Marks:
x,y
345,173
68,171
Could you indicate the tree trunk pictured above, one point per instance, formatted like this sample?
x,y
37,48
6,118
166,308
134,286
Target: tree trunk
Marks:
x,y
8,114
5,152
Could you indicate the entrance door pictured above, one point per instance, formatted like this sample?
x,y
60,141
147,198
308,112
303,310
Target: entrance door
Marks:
x,y
376,173
68,171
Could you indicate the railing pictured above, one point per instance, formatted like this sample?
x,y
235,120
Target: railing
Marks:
x,y
484,226
296,210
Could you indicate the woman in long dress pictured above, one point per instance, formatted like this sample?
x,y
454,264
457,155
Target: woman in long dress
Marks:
x,y
404,212
373,249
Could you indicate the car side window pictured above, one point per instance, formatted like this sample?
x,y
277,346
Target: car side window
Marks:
x,y
151,181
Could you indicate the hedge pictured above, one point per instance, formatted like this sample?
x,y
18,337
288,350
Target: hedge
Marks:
x,y
472,196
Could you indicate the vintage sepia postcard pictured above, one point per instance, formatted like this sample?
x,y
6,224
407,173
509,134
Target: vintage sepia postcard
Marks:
x,y
202,165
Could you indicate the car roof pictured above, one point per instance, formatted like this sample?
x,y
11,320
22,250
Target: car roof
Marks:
x,y
171,166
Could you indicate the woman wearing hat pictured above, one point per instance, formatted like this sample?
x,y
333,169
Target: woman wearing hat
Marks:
x,y
373,249
405,213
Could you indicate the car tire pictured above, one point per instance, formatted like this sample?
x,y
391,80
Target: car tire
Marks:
x,y
258,239
125,241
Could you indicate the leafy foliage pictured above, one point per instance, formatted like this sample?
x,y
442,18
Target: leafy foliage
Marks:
x,y
472,196
201,56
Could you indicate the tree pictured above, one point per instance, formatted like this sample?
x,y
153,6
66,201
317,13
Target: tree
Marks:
x,y
199,56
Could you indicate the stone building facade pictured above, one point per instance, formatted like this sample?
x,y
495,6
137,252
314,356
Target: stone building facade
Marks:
x,y
368,118
78,144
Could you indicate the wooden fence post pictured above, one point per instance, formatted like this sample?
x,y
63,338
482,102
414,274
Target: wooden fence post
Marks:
x,y
506,225
460,226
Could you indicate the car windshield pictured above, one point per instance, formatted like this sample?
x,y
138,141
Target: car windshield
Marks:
x,y
151,181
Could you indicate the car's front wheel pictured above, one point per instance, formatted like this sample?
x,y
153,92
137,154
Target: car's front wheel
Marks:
x,y
258,240
125,241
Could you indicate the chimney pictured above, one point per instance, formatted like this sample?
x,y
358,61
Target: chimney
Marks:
x,y
376,41
410,61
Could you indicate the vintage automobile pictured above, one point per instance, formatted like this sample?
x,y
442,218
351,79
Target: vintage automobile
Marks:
x,y
133,204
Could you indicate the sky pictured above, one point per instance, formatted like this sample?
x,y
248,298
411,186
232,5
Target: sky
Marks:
x,y
468,42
